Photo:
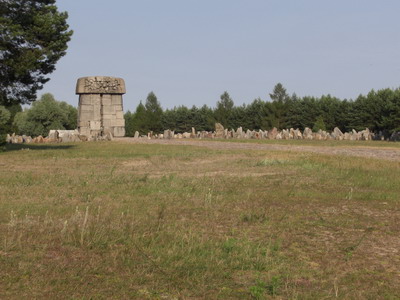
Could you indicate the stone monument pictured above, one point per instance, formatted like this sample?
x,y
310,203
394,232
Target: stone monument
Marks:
x,y
100,109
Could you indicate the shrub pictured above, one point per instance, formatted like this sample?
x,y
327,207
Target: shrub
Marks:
x,y
44,115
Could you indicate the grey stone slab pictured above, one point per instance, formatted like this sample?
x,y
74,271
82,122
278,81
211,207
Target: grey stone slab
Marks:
x,y
119,131
100,106
109,116
95,125
107,123
116,100
118,123
106,100
100,85
108,109
119,115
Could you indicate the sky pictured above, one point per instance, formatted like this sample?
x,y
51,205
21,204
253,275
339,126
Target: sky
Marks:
x,y
188,52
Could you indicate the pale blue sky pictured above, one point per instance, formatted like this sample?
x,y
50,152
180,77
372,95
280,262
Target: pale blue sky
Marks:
x,y
190,51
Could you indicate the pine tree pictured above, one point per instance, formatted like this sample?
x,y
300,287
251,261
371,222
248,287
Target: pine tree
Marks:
x,y
223,111
140,120
129,124
153,113
319,124
279,94
33,37
4,118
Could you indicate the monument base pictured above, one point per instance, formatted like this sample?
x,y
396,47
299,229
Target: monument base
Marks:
x,y
100,106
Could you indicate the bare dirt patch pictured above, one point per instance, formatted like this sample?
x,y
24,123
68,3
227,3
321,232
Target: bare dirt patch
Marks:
x,y
386,153
195,167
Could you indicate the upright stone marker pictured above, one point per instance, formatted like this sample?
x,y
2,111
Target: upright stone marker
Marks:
x,y
100,106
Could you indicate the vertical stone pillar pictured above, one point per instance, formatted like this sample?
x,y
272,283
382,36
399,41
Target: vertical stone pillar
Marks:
x,y
100,107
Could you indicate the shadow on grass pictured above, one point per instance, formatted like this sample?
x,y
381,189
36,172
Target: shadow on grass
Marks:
x,y
14,147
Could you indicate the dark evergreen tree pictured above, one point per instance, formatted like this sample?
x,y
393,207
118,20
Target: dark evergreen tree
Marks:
x,y
257,114
241,117
129,124
33,37
223,111
5,116
168,119
343,120
13,109
206,119
195,118
276,114
293,115
319,124
153,113
183,119
391,119
330,108
279,94
277,110
140,120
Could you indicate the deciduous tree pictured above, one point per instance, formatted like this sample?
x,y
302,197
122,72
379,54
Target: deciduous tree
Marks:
x,y
44,115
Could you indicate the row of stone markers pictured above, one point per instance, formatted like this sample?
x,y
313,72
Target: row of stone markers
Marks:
x,y
274,134
57,136
65,136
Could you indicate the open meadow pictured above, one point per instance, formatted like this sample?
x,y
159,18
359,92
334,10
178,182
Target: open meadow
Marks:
x,y
159,220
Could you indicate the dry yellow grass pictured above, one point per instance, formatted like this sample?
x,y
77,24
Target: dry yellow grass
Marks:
x,y
116,220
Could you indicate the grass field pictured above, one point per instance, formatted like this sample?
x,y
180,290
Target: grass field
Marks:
x,y
125,221
327,143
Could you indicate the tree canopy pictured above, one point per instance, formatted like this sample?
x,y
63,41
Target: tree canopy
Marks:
x,y
4,118
44,115
153,113
33,37
279,93
223,112
378,111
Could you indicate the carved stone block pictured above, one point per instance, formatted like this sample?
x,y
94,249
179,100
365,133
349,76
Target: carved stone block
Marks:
x,y
106,100
108,109
100,105
108,117
119,115
117,100
118,123
119,131
107,123
100,85
95,125
85,100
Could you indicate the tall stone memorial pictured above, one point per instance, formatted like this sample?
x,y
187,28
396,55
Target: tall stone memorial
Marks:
x,y
100,108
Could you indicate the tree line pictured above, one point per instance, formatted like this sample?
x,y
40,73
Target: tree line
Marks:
x,y
378,111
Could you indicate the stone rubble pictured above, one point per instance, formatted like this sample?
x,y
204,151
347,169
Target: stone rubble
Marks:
x,y
58,136
69,136
273,134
